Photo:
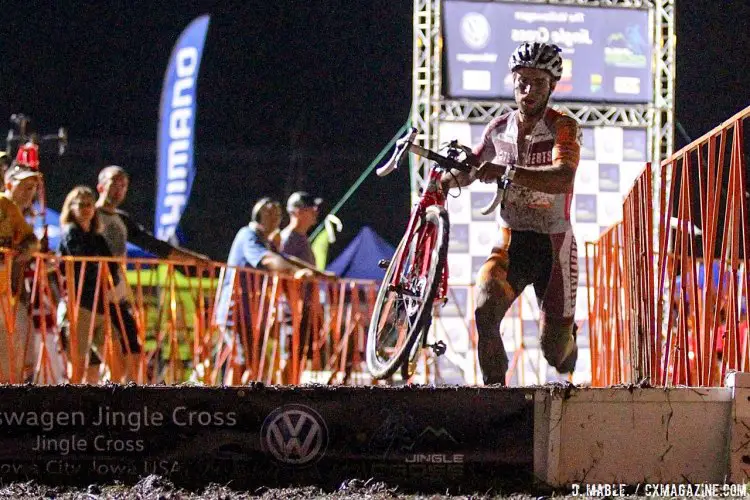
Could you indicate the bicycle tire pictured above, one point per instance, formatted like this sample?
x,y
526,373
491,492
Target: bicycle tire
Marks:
x,y
413,312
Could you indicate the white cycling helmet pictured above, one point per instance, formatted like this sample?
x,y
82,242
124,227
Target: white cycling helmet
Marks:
x,y
537,55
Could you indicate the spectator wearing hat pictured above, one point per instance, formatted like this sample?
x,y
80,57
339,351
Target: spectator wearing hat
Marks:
x,y
21,184
303,215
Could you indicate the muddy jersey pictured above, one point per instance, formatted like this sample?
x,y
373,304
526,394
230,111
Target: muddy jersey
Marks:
x,y
556,139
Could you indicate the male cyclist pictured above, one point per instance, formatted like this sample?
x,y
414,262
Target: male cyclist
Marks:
x,y
535,150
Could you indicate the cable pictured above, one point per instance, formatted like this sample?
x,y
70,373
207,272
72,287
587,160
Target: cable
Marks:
x,y
362,177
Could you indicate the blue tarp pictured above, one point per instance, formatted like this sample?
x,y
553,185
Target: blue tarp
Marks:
x,y
53,233
360,258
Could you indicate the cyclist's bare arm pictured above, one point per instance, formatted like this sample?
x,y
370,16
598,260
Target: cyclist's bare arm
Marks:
x,y
273,261
557,178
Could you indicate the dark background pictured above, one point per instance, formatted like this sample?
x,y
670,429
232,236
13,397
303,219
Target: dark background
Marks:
x,y
292,95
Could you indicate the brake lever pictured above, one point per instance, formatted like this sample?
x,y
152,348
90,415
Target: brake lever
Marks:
x,y
399,154
498,199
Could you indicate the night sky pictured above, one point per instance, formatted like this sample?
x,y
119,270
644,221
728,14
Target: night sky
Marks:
x,y
291,95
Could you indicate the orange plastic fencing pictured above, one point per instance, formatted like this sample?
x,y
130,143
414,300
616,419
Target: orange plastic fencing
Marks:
x,y
90,320
274,329
671,282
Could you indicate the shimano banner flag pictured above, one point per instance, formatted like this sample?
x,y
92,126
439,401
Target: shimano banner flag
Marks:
x,y
176,169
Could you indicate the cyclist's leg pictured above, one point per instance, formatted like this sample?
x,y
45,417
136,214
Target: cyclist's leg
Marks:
x,y
557,289
497,287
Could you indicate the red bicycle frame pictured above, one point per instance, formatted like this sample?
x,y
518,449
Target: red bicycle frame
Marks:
x,y
431,196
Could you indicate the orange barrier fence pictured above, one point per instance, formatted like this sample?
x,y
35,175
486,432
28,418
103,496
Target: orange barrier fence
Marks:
x,y
89,320
669,300
149,321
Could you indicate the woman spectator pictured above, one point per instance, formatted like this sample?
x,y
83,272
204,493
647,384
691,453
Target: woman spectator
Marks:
x,y
81,237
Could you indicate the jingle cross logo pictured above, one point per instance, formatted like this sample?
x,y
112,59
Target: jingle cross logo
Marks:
x,y
294,435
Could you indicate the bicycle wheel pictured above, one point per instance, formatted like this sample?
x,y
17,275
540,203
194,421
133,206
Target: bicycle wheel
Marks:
x,y
401,311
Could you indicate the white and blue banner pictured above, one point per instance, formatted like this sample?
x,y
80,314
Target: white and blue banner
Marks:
x,y
607,52
176,167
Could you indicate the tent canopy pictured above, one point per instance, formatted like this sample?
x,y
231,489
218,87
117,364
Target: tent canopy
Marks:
x,y
360,258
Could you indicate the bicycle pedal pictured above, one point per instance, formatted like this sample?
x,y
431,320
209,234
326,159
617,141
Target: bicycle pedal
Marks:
x,y
439,348
384,263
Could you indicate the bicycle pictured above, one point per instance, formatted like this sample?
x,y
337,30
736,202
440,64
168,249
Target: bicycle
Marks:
x,y
417,275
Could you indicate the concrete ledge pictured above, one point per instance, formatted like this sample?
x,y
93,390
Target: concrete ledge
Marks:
x,y
634,436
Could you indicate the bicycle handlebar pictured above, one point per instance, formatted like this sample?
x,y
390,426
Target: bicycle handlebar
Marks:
x,y
405,145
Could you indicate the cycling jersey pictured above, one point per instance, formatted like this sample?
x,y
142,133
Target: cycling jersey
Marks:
x,y
556,139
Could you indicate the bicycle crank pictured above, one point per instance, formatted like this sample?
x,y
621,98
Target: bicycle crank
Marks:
x,y
438,347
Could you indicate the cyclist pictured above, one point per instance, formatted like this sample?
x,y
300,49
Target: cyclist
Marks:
x,y
535,245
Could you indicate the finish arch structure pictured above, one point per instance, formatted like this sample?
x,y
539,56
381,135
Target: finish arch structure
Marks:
x,y
430,107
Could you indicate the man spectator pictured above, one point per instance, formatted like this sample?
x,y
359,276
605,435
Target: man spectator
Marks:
x,y
118,228
303,215
16,235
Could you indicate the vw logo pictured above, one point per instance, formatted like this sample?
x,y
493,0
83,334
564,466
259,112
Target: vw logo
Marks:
x,y
475,30
294,435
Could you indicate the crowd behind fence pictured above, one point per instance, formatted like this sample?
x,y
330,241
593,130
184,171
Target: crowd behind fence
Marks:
x,y
210,325
668,300
277,330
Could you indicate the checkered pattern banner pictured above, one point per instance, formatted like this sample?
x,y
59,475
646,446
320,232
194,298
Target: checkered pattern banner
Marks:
x,y
611,159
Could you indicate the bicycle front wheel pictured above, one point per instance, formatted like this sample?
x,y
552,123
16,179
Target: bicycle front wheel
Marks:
x,y
404,302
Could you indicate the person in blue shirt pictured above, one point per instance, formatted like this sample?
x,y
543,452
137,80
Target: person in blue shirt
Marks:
x,y
252,248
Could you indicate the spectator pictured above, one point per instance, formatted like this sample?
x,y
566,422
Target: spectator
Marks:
x,y
303,215
251,248
81,237
118,228
21,184
4,163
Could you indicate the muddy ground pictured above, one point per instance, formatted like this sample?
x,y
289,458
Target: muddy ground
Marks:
x,y
158,488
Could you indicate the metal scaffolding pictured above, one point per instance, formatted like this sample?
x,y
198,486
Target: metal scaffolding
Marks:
x,y
430,108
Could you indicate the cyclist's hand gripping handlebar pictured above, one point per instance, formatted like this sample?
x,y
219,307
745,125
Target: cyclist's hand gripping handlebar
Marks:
x,y
406,145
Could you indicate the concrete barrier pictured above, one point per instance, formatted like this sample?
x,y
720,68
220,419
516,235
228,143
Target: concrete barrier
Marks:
x,y
461,439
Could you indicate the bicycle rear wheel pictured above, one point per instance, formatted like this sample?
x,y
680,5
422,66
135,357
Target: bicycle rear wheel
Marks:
x,y
404,302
